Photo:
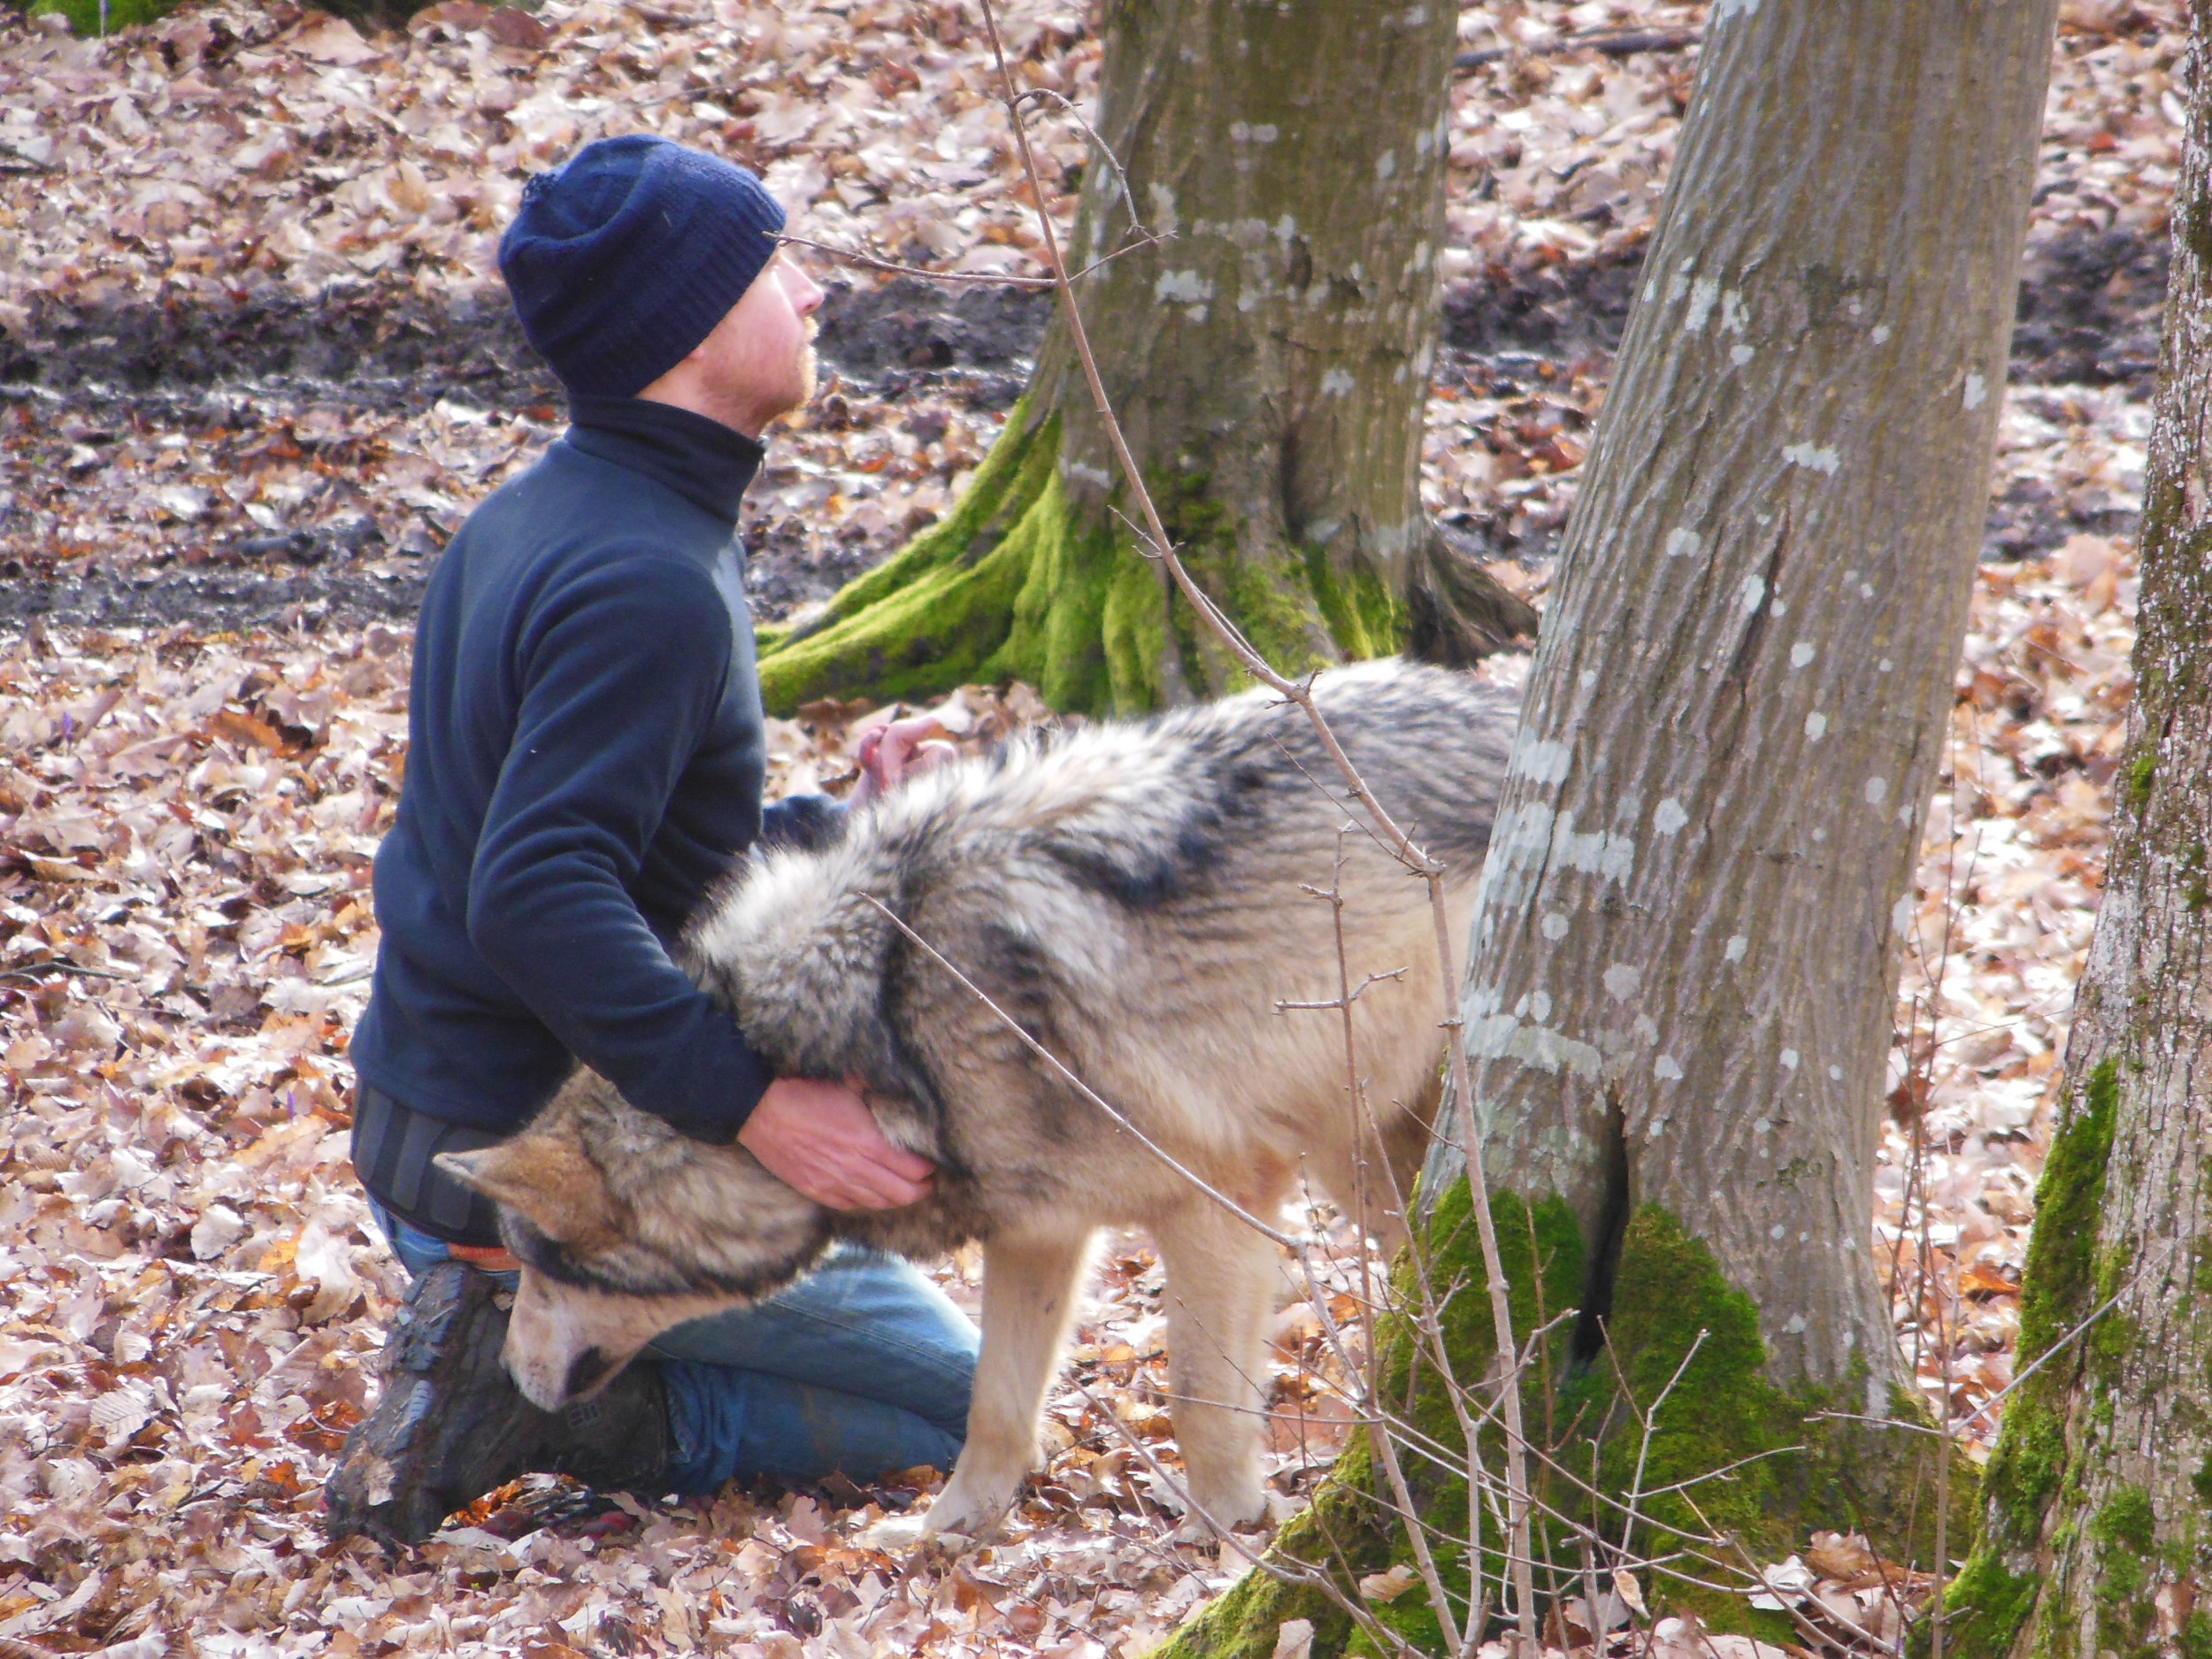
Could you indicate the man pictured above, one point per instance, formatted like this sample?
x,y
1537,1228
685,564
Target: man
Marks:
x,y
586,758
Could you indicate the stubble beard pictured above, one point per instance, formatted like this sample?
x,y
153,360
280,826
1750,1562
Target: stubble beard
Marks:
x,y
808,368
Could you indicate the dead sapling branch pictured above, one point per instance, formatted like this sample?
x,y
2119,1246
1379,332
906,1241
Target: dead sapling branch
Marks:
x,y
1645,1421
1385,1445
1374,1628
1053,1060
1414,857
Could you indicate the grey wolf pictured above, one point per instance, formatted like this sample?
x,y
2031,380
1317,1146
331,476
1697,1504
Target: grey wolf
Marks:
x,y
1134,896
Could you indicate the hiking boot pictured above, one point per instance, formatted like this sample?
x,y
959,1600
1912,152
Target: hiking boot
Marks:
x,y
453,1425
619,1440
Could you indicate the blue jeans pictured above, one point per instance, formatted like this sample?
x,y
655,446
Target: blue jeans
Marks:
x,y
860,1368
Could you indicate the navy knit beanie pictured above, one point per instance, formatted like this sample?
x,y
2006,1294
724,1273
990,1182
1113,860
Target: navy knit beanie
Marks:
x,y
627,256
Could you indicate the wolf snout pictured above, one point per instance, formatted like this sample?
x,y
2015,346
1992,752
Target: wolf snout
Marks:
x,y
549,1385
587,1373
540,1385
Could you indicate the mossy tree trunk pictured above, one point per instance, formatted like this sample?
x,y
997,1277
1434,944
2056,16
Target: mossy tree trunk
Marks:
x,y
2097,1535
1268,362
1678,1009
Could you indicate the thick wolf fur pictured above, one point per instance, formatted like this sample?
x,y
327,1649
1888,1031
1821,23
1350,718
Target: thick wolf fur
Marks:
x,y
1137,896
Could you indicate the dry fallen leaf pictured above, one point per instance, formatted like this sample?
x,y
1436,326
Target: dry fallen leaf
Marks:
x,y
186,821
331,40
1388,1586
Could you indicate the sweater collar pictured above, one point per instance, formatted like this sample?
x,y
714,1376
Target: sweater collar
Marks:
x,y
706,462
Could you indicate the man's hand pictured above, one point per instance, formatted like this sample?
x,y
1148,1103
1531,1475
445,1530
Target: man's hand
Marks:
x,y
889,755
821,1139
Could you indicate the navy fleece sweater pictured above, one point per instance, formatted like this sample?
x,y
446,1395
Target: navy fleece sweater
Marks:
x,y
584,759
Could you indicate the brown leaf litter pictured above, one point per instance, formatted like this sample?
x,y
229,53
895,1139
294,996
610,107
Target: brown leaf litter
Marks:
x,y
196,1295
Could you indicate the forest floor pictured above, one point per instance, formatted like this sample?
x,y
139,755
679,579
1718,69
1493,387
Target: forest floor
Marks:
x,y
254,368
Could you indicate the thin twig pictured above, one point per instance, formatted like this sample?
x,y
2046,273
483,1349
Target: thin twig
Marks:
x,y
1386,1450
1806,1627
32,970
1314,1579
2002,1395
1414,857
1611,42
852,255
1128,197
1081,1087
1649,1420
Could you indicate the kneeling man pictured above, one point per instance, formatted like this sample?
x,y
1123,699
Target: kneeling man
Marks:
x,y
586,758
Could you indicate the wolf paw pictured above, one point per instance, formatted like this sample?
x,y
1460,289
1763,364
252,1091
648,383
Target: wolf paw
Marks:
x,y
1237,1505
968,1510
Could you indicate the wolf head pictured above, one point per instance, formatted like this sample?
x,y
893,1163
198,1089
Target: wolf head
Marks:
x,y
626,1229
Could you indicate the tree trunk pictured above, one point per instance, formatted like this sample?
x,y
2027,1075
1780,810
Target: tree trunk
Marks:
x,y
1686,949
2098,1534
1269,364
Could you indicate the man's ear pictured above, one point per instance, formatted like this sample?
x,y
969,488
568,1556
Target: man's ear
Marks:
x,y
546,1179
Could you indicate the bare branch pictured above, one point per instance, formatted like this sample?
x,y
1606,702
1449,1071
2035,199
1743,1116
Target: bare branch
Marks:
x,y
1649,1420
1313,1579
1083,1088
1611,42
1517,1449
1128,197
851,256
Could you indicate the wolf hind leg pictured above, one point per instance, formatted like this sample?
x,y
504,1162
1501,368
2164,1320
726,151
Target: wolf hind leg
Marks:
x,y
1029,1291
1221,1274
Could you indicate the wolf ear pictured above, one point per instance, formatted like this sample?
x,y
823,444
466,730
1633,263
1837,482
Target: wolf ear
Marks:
x,y
550,1182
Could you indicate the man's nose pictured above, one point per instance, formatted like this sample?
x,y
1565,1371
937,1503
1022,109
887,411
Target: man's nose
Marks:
x,y
807,297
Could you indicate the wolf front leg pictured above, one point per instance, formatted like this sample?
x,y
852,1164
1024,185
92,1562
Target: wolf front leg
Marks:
x,y
1221,1275
1029,1290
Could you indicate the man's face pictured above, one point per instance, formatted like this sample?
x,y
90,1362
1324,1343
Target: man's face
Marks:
x,y
759,361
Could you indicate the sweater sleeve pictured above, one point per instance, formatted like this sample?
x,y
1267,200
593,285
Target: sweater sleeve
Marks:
x,y
620,673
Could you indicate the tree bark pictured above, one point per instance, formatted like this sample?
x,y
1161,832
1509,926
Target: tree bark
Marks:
x,y
2097,1532
1679,1007
1268,362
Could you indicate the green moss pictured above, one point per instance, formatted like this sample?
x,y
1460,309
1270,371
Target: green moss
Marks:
x,y
84,19
1807,1472
1342,1535
2124,1533
1986,1598
929,617
1363,614
1271,599
1017,583
1996,1592
2058,1288
2126,1521
2196,890
1667,1289
2142,773
2194,1638
1135,633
